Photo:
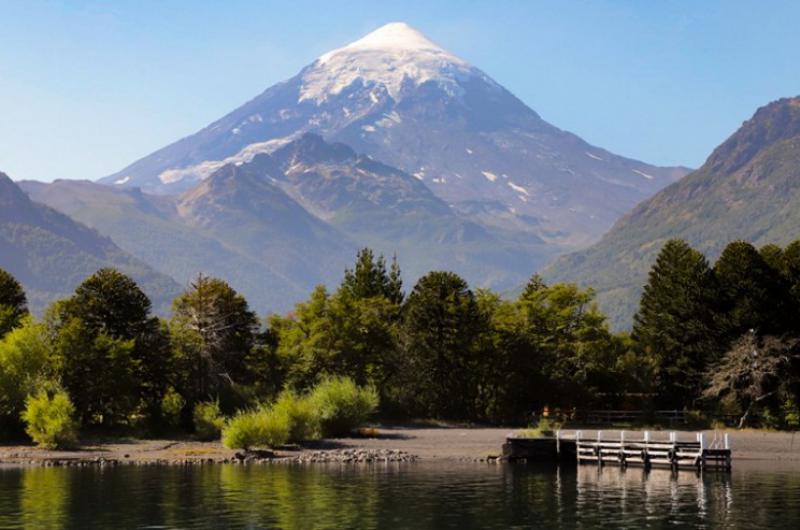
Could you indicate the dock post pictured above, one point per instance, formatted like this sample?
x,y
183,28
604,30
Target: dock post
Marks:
x,y
702,439
558,444
623,462
599,449
645,452
728,456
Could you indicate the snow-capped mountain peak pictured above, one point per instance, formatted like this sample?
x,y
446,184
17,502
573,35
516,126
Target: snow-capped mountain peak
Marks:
x,y
395,36
389,57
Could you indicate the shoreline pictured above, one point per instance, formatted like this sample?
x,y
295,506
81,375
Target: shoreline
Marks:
x,y
391,443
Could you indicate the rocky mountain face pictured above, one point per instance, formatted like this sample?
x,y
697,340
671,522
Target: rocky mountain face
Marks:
x,y
399,98
288,220
749,188
50,254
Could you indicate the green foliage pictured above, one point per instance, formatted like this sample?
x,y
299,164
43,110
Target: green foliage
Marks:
x,y
544,428
171,406
338,335
256,428
369,278
99,372
50,419
25,365
676,325
208,420
753,294
106,328
342,405
302,413
441,338
13,303
213,333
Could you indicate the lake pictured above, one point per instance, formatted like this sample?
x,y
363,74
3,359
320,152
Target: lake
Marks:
x,y
418,495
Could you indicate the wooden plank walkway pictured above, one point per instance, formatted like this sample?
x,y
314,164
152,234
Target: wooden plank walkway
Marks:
x,y
646,452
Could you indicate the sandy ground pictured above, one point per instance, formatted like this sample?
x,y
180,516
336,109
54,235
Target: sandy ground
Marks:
x,y
427,443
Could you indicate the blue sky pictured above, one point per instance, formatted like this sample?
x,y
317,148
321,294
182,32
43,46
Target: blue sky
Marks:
x,y
86,87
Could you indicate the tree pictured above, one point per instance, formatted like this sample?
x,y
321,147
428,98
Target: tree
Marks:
x,y
25,365
753,294
13,303
369,278
675,325
99,372
791,273
114,312
214,334
442,339
339,335
753,372
574,349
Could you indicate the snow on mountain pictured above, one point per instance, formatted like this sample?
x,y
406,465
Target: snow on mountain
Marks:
x,y
396,96
389,58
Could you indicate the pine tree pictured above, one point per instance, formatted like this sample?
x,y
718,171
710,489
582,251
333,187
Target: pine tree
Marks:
x,y
441,338
394,289
13,304
791,272
754,295
369,278
675,325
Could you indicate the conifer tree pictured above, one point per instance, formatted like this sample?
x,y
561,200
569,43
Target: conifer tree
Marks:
x,y
441,338
753,294
13,303
675,326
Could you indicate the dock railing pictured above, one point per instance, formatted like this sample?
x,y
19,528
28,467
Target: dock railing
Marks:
x,y
647,452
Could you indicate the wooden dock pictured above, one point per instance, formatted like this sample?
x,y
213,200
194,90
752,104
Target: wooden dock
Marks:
x,y
646,452
622,450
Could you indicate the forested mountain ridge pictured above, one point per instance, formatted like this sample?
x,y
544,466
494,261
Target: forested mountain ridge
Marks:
x,y
293,218
51,254
749,189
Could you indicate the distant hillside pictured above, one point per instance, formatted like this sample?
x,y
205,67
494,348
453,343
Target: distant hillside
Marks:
x,y
50,254
278,225
749,188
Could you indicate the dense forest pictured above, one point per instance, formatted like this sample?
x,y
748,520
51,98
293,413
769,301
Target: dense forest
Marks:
x,y
711,339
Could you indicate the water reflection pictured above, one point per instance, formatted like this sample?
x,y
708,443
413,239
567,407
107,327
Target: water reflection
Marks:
x,y
396,496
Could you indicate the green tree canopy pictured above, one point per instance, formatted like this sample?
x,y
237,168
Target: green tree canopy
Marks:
x,y
754,295
214,334
106,332
369,278
442,340
25,366
13,303
675,326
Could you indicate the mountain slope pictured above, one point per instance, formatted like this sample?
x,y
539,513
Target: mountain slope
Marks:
x,y
288,220
394,213
242,206
749,188
50,254
150,228
403,100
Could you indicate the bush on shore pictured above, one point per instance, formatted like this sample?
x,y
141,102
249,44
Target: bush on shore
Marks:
x,y
256,428
302,414
208,420
50,420
342,405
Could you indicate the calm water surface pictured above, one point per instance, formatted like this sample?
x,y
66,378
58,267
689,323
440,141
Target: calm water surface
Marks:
x,y
397,496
